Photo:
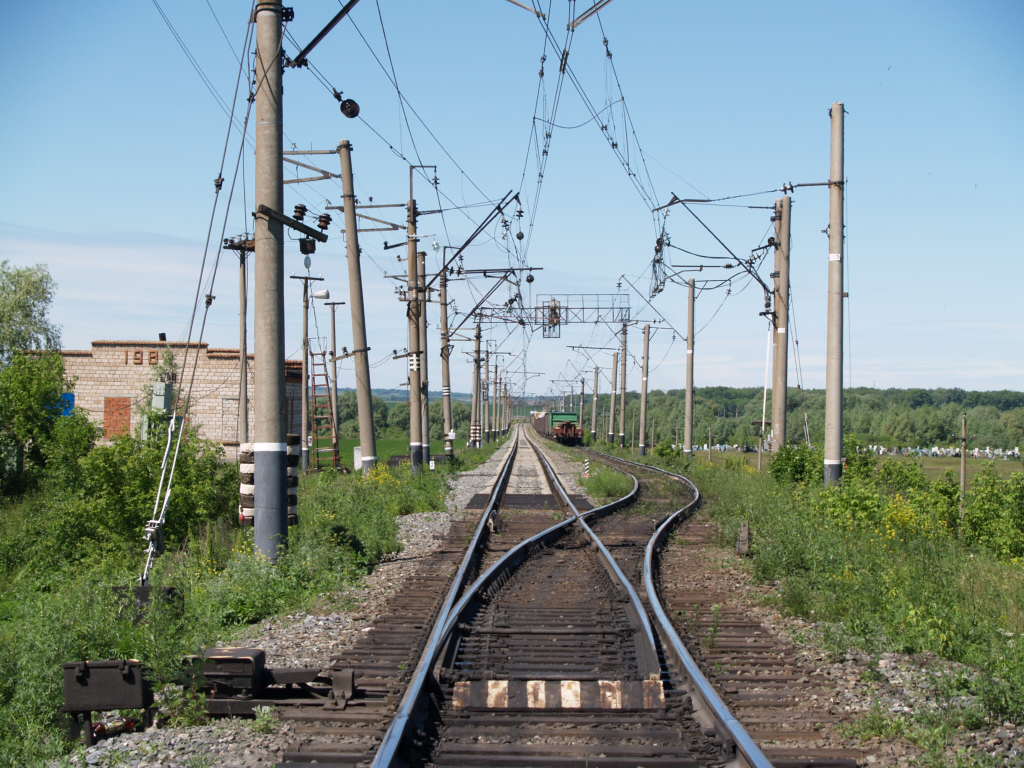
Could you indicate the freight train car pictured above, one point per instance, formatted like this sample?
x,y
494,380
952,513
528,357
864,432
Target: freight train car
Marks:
x,y
562,426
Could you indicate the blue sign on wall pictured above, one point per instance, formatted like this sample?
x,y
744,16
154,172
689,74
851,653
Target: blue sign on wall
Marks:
x,y
67,403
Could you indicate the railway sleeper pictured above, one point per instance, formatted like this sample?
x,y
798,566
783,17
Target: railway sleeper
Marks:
x,y
570,695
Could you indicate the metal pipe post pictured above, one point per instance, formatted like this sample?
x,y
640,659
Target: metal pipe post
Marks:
x,y
834,347
446,381
688,405
269,426
593,408
243,351
963,468
780,359
643,392
361,350
424,378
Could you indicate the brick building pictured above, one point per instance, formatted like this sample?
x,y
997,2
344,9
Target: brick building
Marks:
x,y
113,377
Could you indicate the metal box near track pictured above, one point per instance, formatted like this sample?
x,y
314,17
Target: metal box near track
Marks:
x,y
96,686
235,669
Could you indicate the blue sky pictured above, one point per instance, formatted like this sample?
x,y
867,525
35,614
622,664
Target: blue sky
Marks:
x,y
112,142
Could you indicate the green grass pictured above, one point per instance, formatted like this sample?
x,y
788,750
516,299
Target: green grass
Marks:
x,y
348,523
606,484
936,466
868,590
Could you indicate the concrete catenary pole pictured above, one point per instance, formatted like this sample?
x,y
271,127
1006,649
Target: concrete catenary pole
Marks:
x,y
474,423
304,428
583,384
498,402
593,407
334,380
360,350
688,405
485,396
446,381
243,351
424,355
412,312
493,418
611,399
269,427
622,392
780,359
643,391
834,346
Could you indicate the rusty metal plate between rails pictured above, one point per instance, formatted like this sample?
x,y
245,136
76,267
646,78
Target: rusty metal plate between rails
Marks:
x,y
98,686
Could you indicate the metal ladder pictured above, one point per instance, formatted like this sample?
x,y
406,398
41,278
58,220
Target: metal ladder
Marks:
x,y
322,418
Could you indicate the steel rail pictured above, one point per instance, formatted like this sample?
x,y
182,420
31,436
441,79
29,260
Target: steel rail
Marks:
x,y
387,753
724,720
637,610
518,553
396,729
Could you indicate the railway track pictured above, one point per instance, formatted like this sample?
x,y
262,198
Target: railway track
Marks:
x,y
783,704
536,637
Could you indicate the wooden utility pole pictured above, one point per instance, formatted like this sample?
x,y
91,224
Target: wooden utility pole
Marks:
x,y
688,405
780,359
622,393
446,381
269,427
834,347
422,301
593,408
360,351
643,391
611,400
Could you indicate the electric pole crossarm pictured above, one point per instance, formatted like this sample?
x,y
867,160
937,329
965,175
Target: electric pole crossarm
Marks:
x,y
323,174
288,221
301,57
506,199
482,301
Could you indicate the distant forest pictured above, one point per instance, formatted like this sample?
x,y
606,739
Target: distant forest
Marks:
x,y
891,417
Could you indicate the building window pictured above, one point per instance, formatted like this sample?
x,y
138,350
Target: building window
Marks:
x,y
117,416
